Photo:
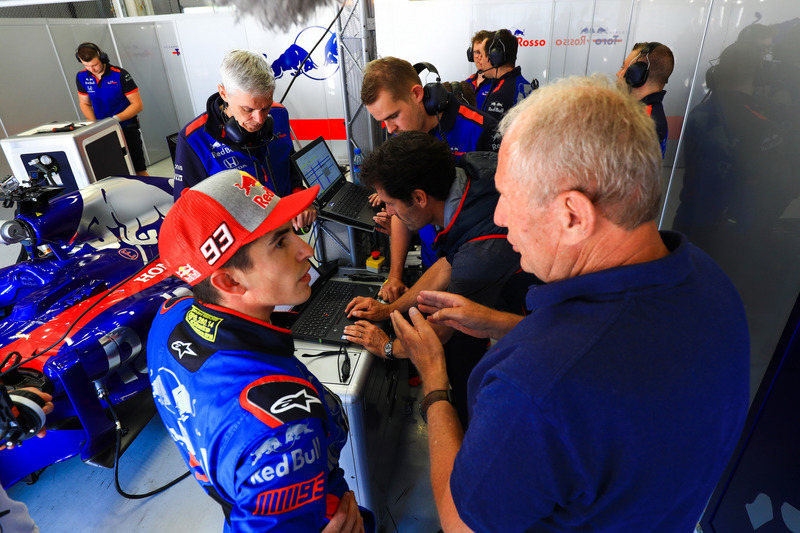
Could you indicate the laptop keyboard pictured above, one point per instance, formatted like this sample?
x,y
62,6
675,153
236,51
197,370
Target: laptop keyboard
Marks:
x,y
350,202
326,310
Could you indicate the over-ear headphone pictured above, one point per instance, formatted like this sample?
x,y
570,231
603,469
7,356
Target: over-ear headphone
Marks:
x,y
470,55
497,51
434,95
238,136
638,70
102,55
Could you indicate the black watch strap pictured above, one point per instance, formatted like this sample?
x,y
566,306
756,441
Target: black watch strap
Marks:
x,y
431,398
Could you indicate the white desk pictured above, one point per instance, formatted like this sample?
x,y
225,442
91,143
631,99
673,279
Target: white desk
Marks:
x,y
374,399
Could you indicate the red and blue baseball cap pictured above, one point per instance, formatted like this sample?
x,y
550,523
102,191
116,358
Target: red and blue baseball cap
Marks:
x,y
219,215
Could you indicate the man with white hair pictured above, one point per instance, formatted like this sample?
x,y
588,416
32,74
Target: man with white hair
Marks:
x,y
242,129
616,403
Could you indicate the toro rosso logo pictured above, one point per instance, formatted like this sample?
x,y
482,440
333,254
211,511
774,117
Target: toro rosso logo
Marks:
x,y
523,42
588,31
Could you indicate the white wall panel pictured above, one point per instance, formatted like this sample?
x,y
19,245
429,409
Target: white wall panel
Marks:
x,y
204,39
34,90
176,76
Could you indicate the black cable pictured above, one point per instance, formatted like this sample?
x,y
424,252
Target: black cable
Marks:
x,y
344,367
300,68
118,446
491,87
441,131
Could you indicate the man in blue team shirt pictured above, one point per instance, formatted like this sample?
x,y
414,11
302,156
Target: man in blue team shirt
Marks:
x,y
393,93
646,71
105,90
616,403
243,129
503,84
259,432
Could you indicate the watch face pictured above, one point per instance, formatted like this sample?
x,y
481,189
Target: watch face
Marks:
x,y
387,349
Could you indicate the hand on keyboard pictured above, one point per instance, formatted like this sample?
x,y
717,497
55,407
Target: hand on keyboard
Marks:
x,y
367,309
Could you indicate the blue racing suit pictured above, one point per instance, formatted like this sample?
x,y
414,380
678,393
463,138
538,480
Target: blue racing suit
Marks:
x,y
202,150
259,432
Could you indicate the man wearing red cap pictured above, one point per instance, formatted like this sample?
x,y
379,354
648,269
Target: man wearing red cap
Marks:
x,y
259,432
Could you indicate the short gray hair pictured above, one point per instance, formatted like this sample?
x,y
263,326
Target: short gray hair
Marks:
x,y
587,134
247,72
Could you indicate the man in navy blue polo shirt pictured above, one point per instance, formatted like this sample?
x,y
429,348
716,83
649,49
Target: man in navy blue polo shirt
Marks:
x,y
616,404
105,90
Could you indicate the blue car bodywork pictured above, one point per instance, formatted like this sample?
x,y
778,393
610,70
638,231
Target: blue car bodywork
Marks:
x,y
77,314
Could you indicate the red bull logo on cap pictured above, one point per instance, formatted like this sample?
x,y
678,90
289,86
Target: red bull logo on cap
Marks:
x,y
187,273
247,184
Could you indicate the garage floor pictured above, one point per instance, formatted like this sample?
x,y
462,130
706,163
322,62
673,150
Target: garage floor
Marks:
x,y
72,496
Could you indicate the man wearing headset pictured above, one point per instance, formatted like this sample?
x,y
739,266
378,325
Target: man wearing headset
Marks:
x,y
476,53
503,85
393,93
242,129
646,71
105,90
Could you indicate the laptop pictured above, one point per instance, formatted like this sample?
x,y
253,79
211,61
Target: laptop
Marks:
x,y
321,318
339,200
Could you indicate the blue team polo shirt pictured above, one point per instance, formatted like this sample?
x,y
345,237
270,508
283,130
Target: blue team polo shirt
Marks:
x,y
109,94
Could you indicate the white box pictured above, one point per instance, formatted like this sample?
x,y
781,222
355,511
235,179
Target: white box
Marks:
x,y
374,398
81,152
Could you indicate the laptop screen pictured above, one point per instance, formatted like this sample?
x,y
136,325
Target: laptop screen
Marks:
x,y
315,161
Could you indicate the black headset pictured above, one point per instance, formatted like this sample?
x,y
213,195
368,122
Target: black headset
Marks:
x,y
238,136
497,51
102,55
470,55
637,72
434,95
240,139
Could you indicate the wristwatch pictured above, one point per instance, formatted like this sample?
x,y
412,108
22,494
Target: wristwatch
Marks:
x,y
387,350
432,397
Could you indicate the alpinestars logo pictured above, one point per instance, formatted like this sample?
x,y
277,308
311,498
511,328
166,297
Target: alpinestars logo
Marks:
x,y
301,400
182,348
280,399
